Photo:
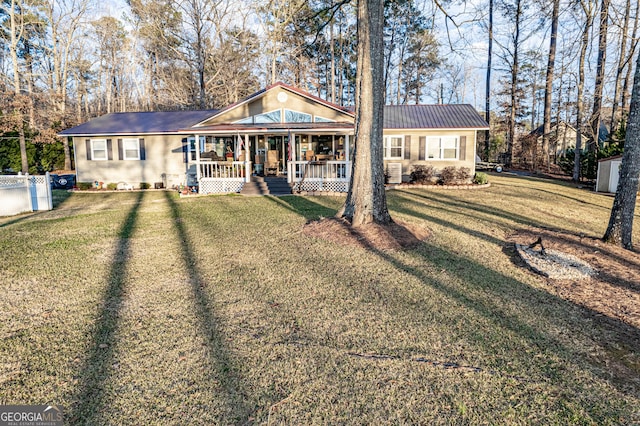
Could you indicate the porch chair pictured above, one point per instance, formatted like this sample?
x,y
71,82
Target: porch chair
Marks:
x,y
272,164
308,155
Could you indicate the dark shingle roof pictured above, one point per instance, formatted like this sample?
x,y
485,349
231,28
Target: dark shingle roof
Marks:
x,y
139,122
432,117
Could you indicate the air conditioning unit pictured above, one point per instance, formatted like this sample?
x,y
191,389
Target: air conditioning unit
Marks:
x,y
395,172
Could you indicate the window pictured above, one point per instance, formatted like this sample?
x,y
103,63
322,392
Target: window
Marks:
x,y
99,149
131,149
296,117
442,148
267,117
393,147
248,120
319,119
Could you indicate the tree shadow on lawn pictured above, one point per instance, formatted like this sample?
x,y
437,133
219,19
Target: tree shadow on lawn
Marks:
x,y
556,194
461,208
473,208
502,291
59,198
90,394
223,368
303,207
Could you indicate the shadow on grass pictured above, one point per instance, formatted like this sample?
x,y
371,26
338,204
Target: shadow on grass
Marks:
x,y
460,206
90,394
223,369
499,299
471,210
303,206
60,196
448,224
556,194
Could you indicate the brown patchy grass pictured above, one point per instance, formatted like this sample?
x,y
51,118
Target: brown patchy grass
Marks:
x,y
149,309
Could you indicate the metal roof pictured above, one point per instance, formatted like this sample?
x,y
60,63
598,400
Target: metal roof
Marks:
x,y
462,116
125,123
395,117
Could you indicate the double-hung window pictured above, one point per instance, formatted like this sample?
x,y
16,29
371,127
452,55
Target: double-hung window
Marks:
x,y
131,149
393,147
442,148
99,150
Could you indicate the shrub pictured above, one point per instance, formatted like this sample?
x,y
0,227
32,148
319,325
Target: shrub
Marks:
x,y
588,160
112,186
422,174
480,178
448,175
85,185
145,185
463,174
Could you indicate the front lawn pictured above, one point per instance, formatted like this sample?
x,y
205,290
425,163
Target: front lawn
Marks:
x,y
144,308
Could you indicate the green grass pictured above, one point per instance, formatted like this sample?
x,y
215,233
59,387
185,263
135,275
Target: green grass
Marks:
x,y
143,308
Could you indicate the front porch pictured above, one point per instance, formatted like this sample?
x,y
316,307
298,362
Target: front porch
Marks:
x,y
310,161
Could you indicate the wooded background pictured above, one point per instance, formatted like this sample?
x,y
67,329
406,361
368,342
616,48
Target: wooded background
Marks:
x,y
523,63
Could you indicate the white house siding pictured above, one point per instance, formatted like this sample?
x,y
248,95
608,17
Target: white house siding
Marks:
x,y
466,155
164,162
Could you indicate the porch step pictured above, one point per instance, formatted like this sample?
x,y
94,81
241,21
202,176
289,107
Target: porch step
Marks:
x,y
266,186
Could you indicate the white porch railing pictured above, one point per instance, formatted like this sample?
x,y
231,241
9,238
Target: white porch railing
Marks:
x,y
311,176
224,169
222,176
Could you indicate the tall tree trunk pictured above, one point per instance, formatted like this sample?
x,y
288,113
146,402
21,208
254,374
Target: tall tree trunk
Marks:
x,y
620,229
366,200
16,29
627,80
549,84
333,63
515,68
588,12
622,62
487,102
602,59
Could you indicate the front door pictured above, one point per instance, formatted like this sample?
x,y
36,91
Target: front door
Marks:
x,y
279,144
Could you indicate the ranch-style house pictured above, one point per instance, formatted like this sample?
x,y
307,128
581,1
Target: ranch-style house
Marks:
x,y
280,130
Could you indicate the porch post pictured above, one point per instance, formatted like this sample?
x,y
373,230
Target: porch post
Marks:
x,y
347,142
197,145
247,163
347,149
291,165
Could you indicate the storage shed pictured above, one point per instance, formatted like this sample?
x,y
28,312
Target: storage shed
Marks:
x,y
608,174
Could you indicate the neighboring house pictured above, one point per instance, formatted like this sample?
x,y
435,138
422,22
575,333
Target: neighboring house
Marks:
x,y
608,174
562,137
253,136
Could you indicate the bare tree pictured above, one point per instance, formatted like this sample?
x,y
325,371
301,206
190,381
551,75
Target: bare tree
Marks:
x,y
634,43
515,13
602,59
17,15
546,132
487,102
587,7
620,228
65,18
625,60
366,200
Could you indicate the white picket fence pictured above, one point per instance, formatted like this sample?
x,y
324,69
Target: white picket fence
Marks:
x,y
24,193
